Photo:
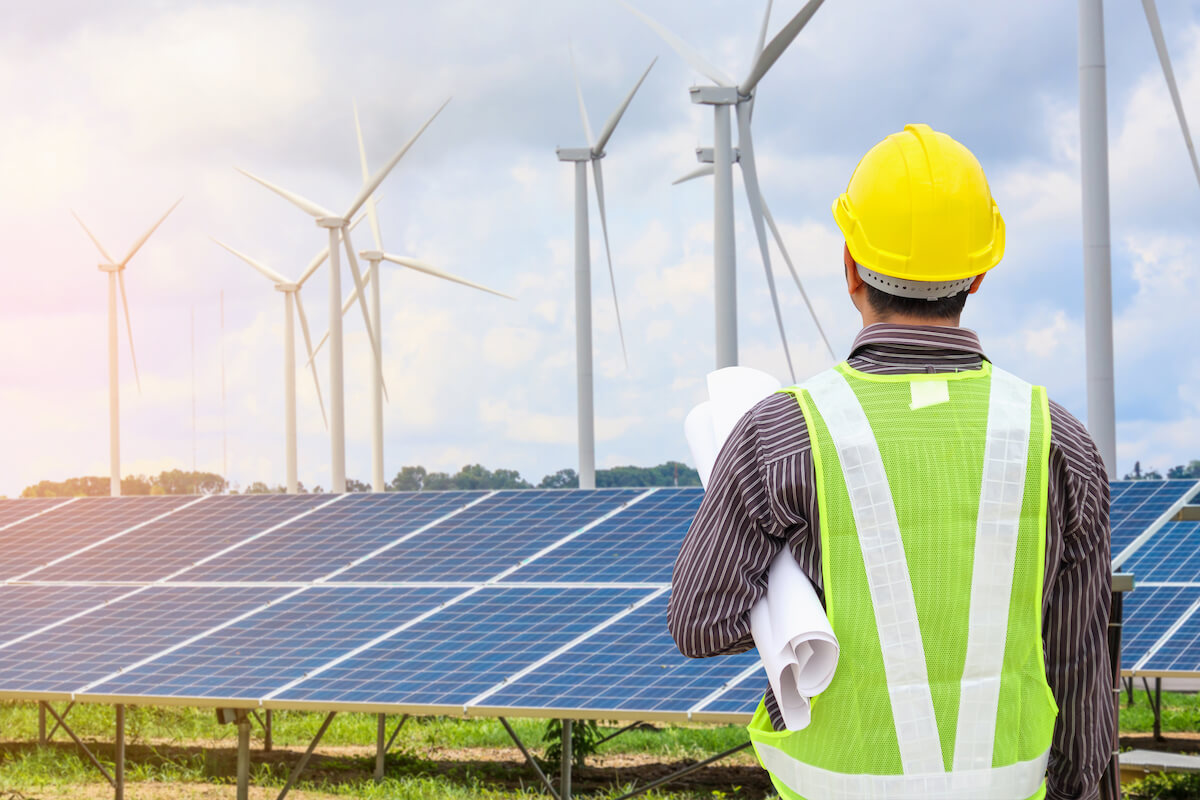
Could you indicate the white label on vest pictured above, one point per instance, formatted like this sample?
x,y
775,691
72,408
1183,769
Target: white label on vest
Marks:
x,y
929,393
887,572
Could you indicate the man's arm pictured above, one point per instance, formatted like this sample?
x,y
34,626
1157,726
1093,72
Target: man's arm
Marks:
x,y
1076,629
722,567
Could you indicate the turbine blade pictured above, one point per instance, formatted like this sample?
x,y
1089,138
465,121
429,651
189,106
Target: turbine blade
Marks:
x,y
138,245
700,172
787,259
598,171
304,204
611,124
320,257
361,290
95,241
1160,44
587,125
370,186
774,50
762,33
429,269
266,271
689,54
750,175
362,158
129,328
312,356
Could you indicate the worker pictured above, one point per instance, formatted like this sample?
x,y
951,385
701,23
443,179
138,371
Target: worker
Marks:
x,y
954,520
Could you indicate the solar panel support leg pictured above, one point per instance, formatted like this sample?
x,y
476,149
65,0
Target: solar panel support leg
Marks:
x,y
119,757
380,747
529,758
564,785
243,758
303,762
267,732
79,743
1129,692
392,739
42,740
682,772
1154,699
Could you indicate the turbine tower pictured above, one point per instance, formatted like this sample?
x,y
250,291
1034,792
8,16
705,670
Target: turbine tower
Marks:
x,y
724,94
116,277
292,305
581,157
336,224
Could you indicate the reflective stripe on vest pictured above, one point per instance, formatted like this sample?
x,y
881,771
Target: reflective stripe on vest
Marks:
x,y
1006,453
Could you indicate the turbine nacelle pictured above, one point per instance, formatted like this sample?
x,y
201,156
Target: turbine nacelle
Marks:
x,y
706,155
716,95
372,255
577,154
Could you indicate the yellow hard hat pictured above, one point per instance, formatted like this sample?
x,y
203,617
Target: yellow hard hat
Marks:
x,y
918,209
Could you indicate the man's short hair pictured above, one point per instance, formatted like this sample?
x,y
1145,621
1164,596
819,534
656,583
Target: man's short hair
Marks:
x,y
886,305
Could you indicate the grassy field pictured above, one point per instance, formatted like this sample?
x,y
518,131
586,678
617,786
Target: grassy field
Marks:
x,y
185,753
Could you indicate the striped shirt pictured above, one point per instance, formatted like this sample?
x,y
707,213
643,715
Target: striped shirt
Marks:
x,y
762,495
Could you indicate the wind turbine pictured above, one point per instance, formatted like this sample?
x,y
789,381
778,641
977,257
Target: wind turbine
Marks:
x,y
116,277
581,156
335,223
724,94
705,156
292,305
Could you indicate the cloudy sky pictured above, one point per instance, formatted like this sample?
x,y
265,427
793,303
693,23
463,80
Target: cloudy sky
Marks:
x,y
117,109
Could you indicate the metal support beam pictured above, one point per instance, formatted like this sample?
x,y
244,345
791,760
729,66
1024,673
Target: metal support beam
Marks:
x,y
65,714
564,780
1129,692
43,740
268,731
682,772
79,743
392,739
380,745
1155,700
119,756
243,758
627,728
529,758
303,762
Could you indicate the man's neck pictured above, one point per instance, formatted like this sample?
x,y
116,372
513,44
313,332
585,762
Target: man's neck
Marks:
x,y
908,319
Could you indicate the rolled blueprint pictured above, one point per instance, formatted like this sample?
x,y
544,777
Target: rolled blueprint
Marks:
x,y
794,639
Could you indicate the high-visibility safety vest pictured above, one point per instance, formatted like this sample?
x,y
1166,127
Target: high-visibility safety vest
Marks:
x,y
932,491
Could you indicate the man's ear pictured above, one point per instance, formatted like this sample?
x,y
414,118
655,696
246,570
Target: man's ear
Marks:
x,y
853,279
975,285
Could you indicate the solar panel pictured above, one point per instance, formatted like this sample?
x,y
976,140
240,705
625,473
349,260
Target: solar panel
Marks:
x,y
30,544
358,525
742,698
466,648
1148,613
1138,504
494,535
180,540
65,658
639,544
1180,652
279,644
13,510
25,609
630,666
1171,555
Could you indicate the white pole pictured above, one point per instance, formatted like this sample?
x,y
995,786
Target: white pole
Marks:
x,y
583,332
193,394
377,482
289,385
724,257
114,395
1097,251
224,426
337,386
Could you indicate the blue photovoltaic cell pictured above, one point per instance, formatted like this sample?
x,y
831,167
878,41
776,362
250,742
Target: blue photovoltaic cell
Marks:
x,y
28,545
71,655
1181,652
467,647
492,536
639,544
1147,613
24,609
183,538
740,699
13,510
331,537
254,657
1136,505
1171,555
630,666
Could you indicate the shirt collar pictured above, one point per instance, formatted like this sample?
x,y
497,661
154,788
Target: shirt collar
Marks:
x,y
935,337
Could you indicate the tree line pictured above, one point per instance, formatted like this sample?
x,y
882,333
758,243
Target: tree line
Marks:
x,y
409,479
1189,471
